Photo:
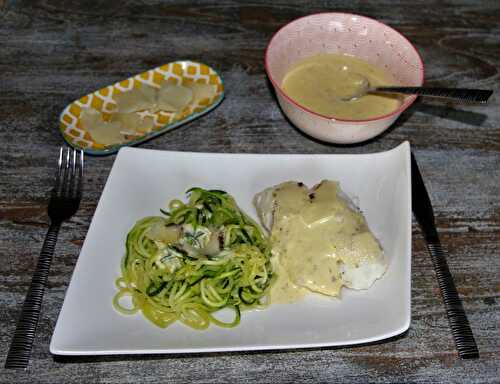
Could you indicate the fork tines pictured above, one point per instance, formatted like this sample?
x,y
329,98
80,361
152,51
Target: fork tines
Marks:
x,y
69,173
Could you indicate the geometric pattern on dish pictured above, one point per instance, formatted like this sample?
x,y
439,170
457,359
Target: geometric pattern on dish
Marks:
x,y
178,73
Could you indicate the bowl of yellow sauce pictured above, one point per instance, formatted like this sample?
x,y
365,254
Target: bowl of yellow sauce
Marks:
x,y
316,62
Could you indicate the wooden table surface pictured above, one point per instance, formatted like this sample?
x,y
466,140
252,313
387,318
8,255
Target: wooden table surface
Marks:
x,y
52,52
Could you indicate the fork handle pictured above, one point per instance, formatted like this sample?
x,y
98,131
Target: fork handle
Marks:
x,y
457,94
20,348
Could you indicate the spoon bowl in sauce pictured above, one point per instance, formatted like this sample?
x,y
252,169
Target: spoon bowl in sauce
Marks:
x,y
322,82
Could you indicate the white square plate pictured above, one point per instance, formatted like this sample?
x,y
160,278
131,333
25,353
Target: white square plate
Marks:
x,y
143,181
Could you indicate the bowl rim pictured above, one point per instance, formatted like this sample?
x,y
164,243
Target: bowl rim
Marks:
x,y
409,101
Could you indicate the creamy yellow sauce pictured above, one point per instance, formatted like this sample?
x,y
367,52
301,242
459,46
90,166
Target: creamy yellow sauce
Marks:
x,y
320,82
313,235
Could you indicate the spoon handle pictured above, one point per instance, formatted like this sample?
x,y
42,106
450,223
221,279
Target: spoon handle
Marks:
x,y
458,94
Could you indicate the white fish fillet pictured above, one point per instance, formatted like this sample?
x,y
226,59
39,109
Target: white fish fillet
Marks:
x,y
359,275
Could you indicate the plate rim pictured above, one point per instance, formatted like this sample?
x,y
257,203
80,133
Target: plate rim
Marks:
x,y
57,348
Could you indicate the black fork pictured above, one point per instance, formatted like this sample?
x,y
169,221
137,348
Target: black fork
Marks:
x,y
64,201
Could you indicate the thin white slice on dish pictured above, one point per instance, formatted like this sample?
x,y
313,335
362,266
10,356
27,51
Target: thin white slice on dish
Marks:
x,y
102,132
134,112
173,98
202,91
136,122
137,99
167,98
319,239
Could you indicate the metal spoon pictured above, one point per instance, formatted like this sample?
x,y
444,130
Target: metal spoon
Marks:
x,y
457,94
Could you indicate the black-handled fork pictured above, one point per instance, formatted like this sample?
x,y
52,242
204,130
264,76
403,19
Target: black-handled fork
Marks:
x,y
64,202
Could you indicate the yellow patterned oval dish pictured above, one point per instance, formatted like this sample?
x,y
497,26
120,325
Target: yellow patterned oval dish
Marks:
x,y
174,109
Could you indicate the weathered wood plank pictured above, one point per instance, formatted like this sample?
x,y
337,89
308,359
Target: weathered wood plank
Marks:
x,y
53,52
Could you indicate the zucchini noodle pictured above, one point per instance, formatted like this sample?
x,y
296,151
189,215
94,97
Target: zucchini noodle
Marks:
x,y
200,257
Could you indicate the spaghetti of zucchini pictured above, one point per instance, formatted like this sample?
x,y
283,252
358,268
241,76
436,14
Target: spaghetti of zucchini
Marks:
x,y
200,257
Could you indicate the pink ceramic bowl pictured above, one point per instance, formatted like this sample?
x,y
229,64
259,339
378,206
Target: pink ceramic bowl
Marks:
x,y
357,35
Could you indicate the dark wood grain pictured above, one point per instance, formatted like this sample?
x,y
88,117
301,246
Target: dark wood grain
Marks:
x,y
52,52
